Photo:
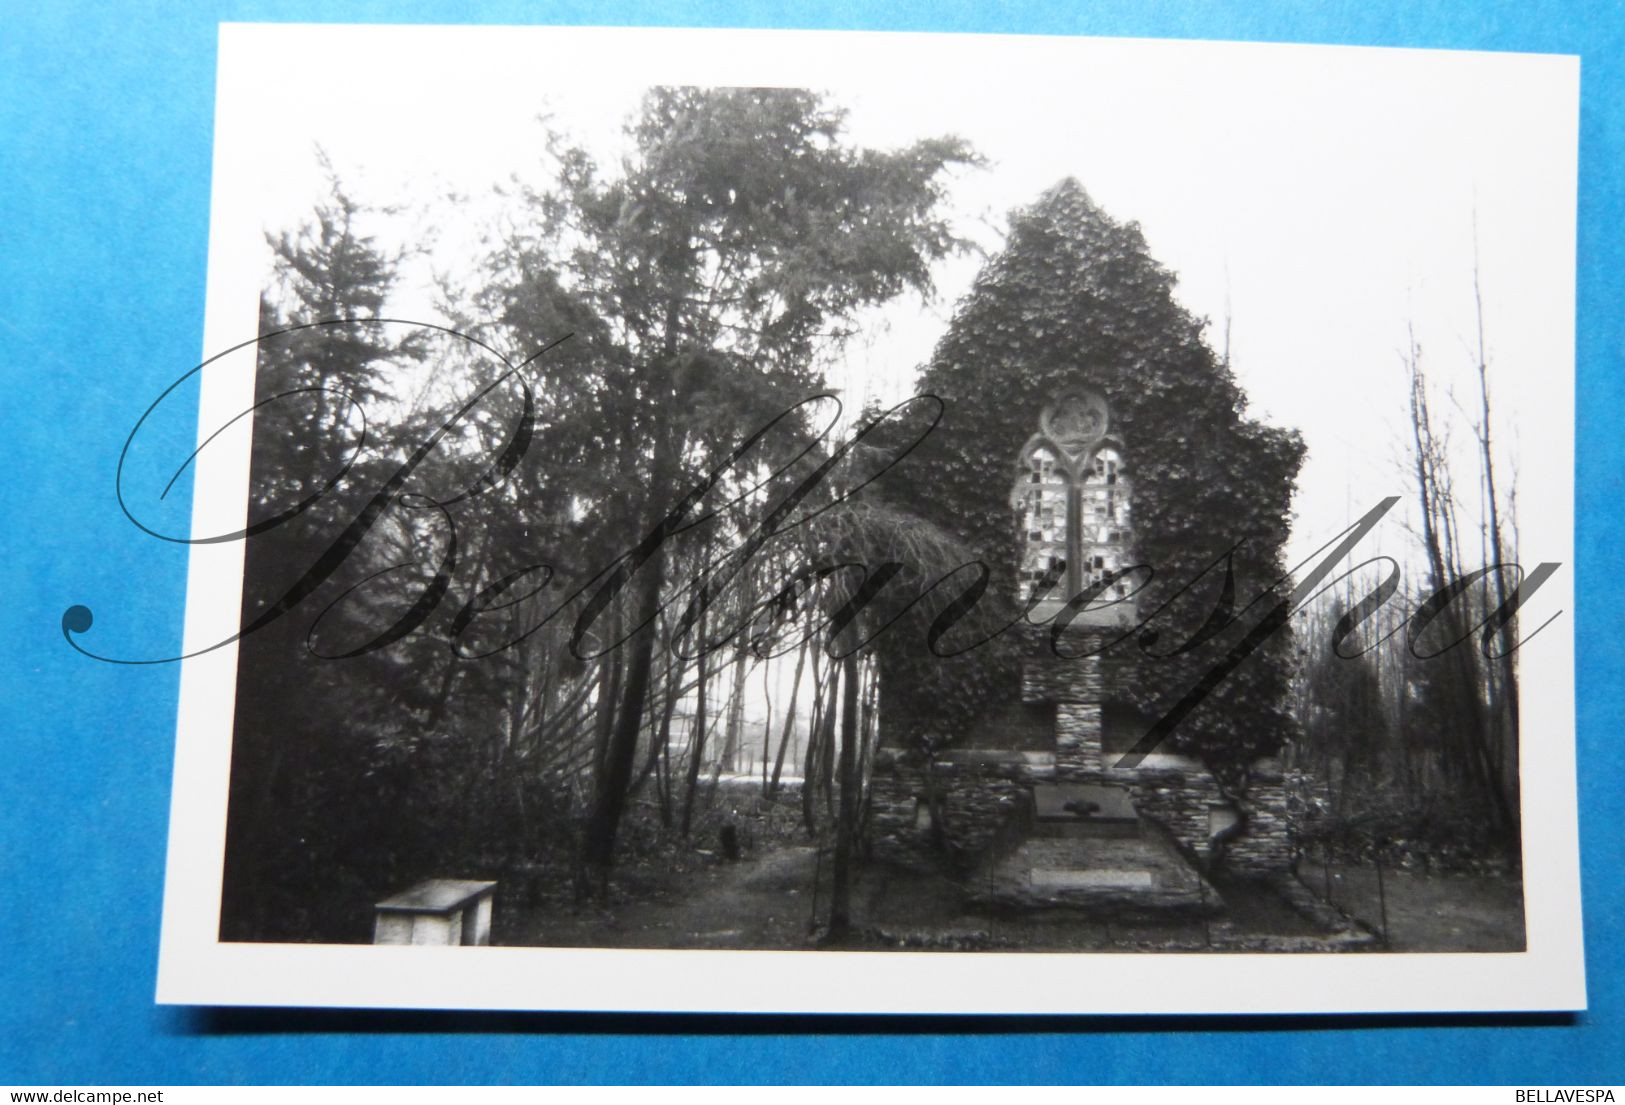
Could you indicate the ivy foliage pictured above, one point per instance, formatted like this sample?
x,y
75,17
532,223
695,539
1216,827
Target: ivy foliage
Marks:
x,y
1074,302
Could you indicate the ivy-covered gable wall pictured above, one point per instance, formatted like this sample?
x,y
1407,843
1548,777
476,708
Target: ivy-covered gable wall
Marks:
x,y
1076,303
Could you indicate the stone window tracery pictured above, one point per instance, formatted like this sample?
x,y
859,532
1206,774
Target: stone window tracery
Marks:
x,y
1072,500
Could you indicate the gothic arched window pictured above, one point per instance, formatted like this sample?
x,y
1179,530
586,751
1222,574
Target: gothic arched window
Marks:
x,y
1072,502
1043,518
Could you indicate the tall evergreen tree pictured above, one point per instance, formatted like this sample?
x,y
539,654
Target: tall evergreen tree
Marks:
x,y
703,282
302,769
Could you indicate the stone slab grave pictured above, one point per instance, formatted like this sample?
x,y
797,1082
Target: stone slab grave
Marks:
x,y
1089,850
1104,876
1082,809
455,912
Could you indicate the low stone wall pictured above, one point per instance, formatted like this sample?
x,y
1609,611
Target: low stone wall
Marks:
x,y
1266,847
979,794
979,791
894,831
1181,799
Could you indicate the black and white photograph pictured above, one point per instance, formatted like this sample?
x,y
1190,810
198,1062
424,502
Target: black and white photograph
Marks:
x,y
1011,525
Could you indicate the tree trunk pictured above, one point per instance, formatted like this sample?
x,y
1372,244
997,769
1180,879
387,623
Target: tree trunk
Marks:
x,y
840,902
767,720
826,750
615,773
789,724
1470,757
659,734
809,767
729,760
1507,696
609,689
696,739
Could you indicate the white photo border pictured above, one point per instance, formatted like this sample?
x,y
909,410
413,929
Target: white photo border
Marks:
x,y
197,968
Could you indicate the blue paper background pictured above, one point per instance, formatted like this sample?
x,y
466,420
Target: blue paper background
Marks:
x,y
105,134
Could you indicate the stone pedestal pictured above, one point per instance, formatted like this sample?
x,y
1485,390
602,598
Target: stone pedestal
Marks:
x,y
437,911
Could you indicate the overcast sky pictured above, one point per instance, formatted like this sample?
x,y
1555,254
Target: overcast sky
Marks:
x,y
1323,199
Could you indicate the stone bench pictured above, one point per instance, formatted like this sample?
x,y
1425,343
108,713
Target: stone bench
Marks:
x,y
437,911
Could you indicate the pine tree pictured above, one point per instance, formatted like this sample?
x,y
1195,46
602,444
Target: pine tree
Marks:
x,y
304,794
